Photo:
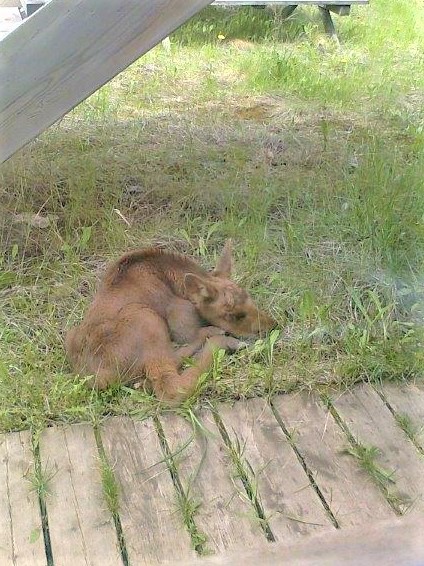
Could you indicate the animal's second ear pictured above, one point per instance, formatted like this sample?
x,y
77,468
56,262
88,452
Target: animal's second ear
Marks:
x,y
224,266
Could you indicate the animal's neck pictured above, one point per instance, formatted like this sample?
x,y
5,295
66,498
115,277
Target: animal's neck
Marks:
x,y
174,270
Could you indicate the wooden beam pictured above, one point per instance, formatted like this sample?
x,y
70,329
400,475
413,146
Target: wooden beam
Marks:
x,y
10,3
328,23
70,48
342,10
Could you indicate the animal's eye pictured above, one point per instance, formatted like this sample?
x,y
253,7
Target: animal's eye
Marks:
x,y
239,316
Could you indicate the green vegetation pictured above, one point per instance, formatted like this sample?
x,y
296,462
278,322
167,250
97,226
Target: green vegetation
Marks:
x,y
310,156
186,505
412,431
386,481
245,474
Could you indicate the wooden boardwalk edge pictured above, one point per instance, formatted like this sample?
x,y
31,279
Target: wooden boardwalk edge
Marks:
x,y
396,542
251,467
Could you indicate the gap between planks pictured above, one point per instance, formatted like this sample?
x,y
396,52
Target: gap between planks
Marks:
x,y
372,424
80,525
21,536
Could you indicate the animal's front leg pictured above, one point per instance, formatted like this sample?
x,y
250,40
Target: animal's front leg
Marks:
x,y
183,321
190,349
186,382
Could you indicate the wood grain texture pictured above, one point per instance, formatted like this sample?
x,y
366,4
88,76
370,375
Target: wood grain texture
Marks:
x,y
10,4
151,520
224,516
289,501
81,528
285,2
76,47
398,542
10,19
408,400
21,537
371,422
351,495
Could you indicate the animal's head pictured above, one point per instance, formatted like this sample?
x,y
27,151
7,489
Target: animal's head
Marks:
x,y
223,303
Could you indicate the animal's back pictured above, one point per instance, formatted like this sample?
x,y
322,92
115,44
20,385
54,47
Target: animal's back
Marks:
x,y
147,278
167,266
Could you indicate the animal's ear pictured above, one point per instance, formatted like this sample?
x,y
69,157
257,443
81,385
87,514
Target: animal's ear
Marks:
x,y
199,289
224,266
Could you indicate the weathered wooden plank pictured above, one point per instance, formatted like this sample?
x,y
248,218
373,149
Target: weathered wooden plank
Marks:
x,y
284,2
21,537
371,422
408,400
6,539
206,474
10,19
75,48
398,542
351,495
81,528
152,524
289,501
10,4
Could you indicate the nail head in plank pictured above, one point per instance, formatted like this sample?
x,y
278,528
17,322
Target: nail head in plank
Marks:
x,y
407,399
371,422
21,535
224,515
152,524
81,527
351,495
289,500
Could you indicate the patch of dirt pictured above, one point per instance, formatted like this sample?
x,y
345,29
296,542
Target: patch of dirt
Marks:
x,y
241,44
26,233
260,112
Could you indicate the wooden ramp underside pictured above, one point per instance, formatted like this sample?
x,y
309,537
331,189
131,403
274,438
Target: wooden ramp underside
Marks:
x,y
249,480
70,48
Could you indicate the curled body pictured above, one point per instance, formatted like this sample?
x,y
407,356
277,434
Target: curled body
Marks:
x,y
149,299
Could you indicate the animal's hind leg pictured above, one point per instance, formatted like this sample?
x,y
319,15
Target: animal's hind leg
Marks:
x,y
173,387
73,344
118,351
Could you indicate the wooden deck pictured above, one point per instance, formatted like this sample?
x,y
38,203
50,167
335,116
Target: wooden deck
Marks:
x,y
255,475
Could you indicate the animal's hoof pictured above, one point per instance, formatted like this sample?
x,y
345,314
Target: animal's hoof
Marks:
x,y
209,331
233,344
227,343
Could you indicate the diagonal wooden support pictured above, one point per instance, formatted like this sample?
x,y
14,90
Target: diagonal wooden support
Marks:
x,y
70,48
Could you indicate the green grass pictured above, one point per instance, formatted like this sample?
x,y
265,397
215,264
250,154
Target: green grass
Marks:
x,y
111,493
385,480
412,431
187,506
368,458
309,156
110,487
247,477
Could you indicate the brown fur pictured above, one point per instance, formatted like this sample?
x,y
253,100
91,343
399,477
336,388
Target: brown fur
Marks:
x,y
149,298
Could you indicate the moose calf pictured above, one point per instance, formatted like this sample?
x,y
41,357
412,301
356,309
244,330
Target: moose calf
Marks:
x,y
149,298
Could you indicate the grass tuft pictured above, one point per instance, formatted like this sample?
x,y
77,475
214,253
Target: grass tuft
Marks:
x,y
246,474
